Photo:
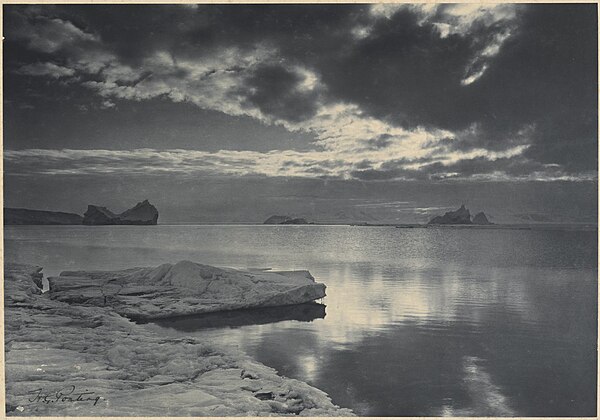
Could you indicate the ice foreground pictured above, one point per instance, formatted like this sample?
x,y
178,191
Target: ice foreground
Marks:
x,y
183,289
73,359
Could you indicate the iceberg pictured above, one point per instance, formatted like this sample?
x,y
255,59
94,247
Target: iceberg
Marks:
x,y
143,213
185,288
457,217
481,219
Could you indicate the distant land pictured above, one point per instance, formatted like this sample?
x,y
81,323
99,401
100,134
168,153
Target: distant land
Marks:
x,y
40,217
143,213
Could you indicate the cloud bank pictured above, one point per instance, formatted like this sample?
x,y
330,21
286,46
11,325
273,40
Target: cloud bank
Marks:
x,y
496,166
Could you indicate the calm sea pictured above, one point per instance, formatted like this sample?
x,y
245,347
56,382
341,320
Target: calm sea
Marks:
x,y
416,322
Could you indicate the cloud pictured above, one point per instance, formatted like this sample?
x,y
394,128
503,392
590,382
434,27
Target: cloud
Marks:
x,y
43,33
502,166
255,67
408,72
491,24
283,93
381,141
106,104
390,91
46,69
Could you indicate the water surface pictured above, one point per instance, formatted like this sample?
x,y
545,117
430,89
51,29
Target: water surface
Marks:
x,y
418,322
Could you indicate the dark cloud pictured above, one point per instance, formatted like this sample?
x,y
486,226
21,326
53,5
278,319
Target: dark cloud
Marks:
x,y
46,69
544,77
134,31
277,91
517,167
547,76
403,72
381,141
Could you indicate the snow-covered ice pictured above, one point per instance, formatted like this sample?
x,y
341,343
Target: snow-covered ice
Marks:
x,y
184,288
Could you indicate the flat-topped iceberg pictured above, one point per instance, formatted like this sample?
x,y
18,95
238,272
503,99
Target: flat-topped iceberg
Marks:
x,y
76,358
184,288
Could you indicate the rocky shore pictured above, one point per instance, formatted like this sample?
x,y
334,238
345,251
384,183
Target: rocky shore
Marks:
x,y
65,357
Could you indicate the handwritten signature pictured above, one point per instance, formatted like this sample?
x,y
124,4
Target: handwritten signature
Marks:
x,y
67,394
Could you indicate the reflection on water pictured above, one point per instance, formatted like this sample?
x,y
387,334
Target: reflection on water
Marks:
x,y
420,322
306,312
487,398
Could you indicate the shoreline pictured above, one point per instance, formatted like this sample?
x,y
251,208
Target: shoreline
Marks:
x,y
65,359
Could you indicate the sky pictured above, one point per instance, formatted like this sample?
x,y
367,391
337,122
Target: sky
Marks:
x,y
368,112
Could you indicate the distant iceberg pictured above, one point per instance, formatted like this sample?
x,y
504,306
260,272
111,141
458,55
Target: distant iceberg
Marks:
x,y
458,217
462,216
285,220
142,213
